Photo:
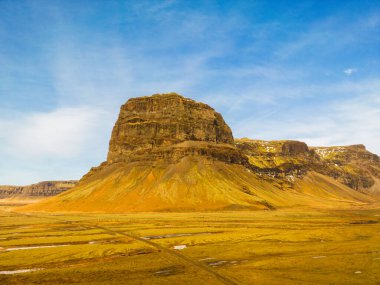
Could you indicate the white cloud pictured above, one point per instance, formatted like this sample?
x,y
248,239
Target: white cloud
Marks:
x,y
61,133
350,120
329,35
60,144
350,71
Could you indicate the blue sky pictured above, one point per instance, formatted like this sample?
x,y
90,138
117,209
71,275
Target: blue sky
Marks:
x,y
304,70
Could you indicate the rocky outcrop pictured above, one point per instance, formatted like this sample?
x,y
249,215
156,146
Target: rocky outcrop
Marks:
x,y
273,148
294,148
38,190
353,166
346,154
148,127
283,160
164,128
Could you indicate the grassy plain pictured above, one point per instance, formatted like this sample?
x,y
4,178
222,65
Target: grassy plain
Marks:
x,y
256,247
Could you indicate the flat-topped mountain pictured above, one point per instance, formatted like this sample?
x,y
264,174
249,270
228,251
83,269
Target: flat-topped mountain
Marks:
x,y
170,153
164,128
38,190
150,123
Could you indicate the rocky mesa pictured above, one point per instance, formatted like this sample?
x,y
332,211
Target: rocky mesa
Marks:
x,y
171,153
38,190
147,126
165,128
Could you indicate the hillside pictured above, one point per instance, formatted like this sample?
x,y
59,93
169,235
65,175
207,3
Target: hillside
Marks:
x,y
170,153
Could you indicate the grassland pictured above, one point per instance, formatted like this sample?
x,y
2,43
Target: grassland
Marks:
x,y
257,247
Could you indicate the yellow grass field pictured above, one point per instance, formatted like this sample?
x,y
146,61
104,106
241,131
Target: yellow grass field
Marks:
x,y
257,247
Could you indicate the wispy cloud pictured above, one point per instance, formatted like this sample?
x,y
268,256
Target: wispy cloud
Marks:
x,y
352,119
329,36
52,141
62,133
350,71
271,77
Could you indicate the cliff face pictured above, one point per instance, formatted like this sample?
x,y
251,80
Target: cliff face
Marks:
x,y
352,166
165,128
280,162
38,190
272,148
156,123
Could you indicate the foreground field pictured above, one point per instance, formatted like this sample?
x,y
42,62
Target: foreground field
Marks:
x,y
262,247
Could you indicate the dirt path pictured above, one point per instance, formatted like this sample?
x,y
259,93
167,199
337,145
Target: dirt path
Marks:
x,y
174,253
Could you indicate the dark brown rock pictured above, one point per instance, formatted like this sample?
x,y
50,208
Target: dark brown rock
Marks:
x,y
151,125
294,148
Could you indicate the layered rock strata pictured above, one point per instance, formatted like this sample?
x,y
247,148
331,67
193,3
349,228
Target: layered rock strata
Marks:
x,y
41,189
157,126
353,166
164,128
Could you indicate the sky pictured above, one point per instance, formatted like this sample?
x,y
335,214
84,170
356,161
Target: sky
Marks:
x,y
301,70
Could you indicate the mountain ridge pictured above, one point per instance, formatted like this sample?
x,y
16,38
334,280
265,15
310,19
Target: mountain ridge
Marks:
x,y
36,190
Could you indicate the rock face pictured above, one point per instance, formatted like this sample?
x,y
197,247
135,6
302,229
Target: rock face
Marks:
x,y
352,166
165,128
294,148
285,147
281,161
38,190
149,124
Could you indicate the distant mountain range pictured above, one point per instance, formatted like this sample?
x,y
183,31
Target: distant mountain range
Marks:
x,y
38,190
170,153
